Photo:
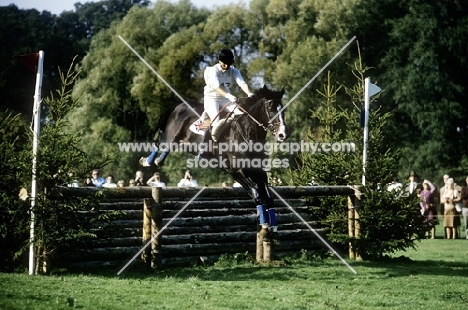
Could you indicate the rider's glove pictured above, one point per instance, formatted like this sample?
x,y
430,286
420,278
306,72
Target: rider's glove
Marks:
x,y
231,97
251,95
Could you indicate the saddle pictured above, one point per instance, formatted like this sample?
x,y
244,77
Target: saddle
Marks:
x,y
199,127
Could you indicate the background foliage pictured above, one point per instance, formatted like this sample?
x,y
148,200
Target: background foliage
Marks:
x,y
417,50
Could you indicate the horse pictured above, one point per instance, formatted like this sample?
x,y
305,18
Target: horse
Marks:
x,y
262,113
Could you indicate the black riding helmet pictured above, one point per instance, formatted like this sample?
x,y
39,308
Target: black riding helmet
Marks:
x,y
226,56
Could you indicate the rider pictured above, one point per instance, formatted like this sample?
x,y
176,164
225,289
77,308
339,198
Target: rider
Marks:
x,y
218,79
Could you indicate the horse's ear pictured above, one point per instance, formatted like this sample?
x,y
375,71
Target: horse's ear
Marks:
x,y
265,87
282,92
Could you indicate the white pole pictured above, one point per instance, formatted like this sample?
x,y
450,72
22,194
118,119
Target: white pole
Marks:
x,y
366,129
37,129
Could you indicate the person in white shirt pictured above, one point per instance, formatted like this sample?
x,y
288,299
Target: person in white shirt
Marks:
x,y
394,186
187,181
217,93
155,181
96,179
109,182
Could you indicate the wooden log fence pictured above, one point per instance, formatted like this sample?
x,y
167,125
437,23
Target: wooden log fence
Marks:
x,y
220,221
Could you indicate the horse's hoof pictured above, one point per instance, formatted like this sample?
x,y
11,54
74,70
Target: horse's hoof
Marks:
x,y
143,161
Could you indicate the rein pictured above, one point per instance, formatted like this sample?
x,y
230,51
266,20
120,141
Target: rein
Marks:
x,y
270,127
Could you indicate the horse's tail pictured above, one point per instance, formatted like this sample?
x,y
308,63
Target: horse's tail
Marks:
x,y
163,118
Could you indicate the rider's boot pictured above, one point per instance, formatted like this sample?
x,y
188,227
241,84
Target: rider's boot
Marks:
x,y
206,140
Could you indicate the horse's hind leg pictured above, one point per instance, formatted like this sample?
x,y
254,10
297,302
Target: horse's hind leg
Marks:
x,y
151,159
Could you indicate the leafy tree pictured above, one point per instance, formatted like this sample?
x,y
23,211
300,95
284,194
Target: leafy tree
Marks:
x,y
389,221
95,16
419,52
58,224
13,223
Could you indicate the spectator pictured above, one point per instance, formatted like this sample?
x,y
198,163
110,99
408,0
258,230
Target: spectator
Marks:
x,y
394,185
74,182
97,180
88,182
441,192
109,182
236,184
121,183
187,181
428,208
131,183
276,181
139,178
413,185
464,197
155,181
450,197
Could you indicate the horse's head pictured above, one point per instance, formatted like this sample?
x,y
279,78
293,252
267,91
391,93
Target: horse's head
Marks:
x,y
273,112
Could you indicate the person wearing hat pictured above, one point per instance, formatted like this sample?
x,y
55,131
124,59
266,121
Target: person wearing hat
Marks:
x,y
413,185
217,93
428,208
451,220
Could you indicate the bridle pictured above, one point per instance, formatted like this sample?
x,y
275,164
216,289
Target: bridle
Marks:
x,y
271,126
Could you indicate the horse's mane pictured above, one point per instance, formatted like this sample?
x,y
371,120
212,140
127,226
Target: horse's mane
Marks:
x,y
267,93
261,93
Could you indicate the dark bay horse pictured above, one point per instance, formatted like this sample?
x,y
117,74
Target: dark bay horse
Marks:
x,y
231,153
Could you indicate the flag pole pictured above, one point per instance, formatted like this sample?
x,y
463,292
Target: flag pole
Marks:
x,y
36,133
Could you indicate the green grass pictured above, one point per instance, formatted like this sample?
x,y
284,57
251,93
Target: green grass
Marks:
x,y
433,277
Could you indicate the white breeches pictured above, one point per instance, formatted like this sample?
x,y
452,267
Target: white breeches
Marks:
x,y
212,107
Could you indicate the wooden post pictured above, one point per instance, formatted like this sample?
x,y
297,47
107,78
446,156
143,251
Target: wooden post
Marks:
x,y
259,252
146,255
156,226
352,254
357,229
267,250
354,203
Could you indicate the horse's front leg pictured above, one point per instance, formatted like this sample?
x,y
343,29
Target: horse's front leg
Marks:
x,y
265,204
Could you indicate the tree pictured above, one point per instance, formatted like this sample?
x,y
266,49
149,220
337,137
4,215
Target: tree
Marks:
x,y
418,51
58,224
13,222
388,221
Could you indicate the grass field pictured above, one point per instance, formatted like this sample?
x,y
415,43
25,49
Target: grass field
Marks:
x,y
433,277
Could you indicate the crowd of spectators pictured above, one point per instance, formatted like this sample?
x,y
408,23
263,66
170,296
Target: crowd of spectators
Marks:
x,y
450,201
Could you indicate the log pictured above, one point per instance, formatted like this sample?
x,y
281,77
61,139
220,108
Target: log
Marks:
x,y
201,238
229,204
285,192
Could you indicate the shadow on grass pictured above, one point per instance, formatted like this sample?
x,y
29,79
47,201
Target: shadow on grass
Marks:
x,y
285,270
403,266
